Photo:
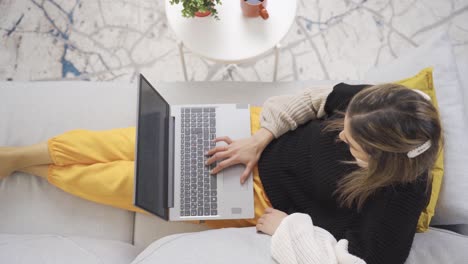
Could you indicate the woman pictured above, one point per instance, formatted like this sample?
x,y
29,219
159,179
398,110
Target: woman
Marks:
x,y
362,176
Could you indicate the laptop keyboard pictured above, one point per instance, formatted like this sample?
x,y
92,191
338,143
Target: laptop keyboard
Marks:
x,y
198,188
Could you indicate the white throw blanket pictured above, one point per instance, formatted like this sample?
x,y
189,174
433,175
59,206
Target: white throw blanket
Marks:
x,y
298,241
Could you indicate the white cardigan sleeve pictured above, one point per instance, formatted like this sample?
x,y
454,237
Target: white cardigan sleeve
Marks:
x,y
298,241
283,113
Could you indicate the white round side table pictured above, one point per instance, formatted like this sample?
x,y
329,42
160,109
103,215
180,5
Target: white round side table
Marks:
x,y
233,38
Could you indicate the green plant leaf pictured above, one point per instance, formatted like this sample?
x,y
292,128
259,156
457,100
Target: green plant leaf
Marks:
x,y
190,7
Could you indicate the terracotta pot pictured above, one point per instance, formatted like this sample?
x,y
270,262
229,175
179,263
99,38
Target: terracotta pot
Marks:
x,y
202,14
254,8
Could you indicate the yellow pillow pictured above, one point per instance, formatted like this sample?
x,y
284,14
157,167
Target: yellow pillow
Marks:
x,y
423,82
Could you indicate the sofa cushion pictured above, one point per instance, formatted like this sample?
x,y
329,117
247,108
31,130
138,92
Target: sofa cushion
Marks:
x,y
35,111
53,249
245,245
227,245
439,246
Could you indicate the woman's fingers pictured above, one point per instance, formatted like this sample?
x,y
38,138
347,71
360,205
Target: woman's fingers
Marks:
x,y
216,150
228,140
246,173
259,227
222,165
243,151
261,223
221,153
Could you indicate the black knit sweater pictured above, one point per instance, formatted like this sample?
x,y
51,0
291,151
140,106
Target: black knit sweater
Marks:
x,y
300,171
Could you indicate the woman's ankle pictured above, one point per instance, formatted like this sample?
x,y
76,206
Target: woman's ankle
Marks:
x,y
9,161
39,170
32,155
16,158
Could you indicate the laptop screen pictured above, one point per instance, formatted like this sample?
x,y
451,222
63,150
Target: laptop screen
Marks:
x,y
151,185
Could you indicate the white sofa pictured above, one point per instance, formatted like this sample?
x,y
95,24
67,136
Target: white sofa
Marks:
x,y
41,224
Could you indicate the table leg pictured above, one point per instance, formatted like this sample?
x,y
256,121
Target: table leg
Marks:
x,y
182,59
235,68
230,69
275,69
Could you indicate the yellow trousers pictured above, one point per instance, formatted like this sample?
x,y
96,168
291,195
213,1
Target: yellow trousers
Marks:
x,y
99,166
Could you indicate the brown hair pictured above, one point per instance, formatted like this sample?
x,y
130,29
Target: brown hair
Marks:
x,y
387,121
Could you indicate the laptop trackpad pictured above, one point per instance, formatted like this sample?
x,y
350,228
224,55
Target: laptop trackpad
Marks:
x,y
231,179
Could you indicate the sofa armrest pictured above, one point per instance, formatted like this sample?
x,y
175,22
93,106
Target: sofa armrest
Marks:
x,y
460,229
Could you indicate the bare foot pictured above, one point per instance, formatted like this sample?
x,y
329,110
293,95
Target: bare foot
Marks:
x,y
8,162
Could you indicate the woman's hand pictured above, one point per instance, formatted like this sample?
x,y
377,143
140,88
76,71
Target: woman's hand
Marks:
x,y
270,220
245,151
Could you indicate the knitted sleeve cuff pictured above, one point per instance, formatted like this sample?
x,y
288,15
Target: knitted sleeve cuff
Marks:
x,y
297,240
283,113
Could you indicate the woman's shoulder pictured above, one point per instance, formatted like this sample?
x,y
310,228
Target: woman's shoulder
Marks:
x,y
341,95
411,194
418,186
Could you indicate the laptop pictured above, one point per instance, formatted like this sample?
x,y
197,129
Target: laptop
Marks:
x,y
171,178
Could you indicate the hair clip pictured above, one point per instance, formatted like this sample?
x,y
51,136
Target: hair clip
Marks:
x,y
418,150
425,95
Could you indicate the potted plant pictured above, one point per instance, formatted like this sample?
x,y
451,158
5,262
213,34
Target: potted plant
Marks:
x,y
199,8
